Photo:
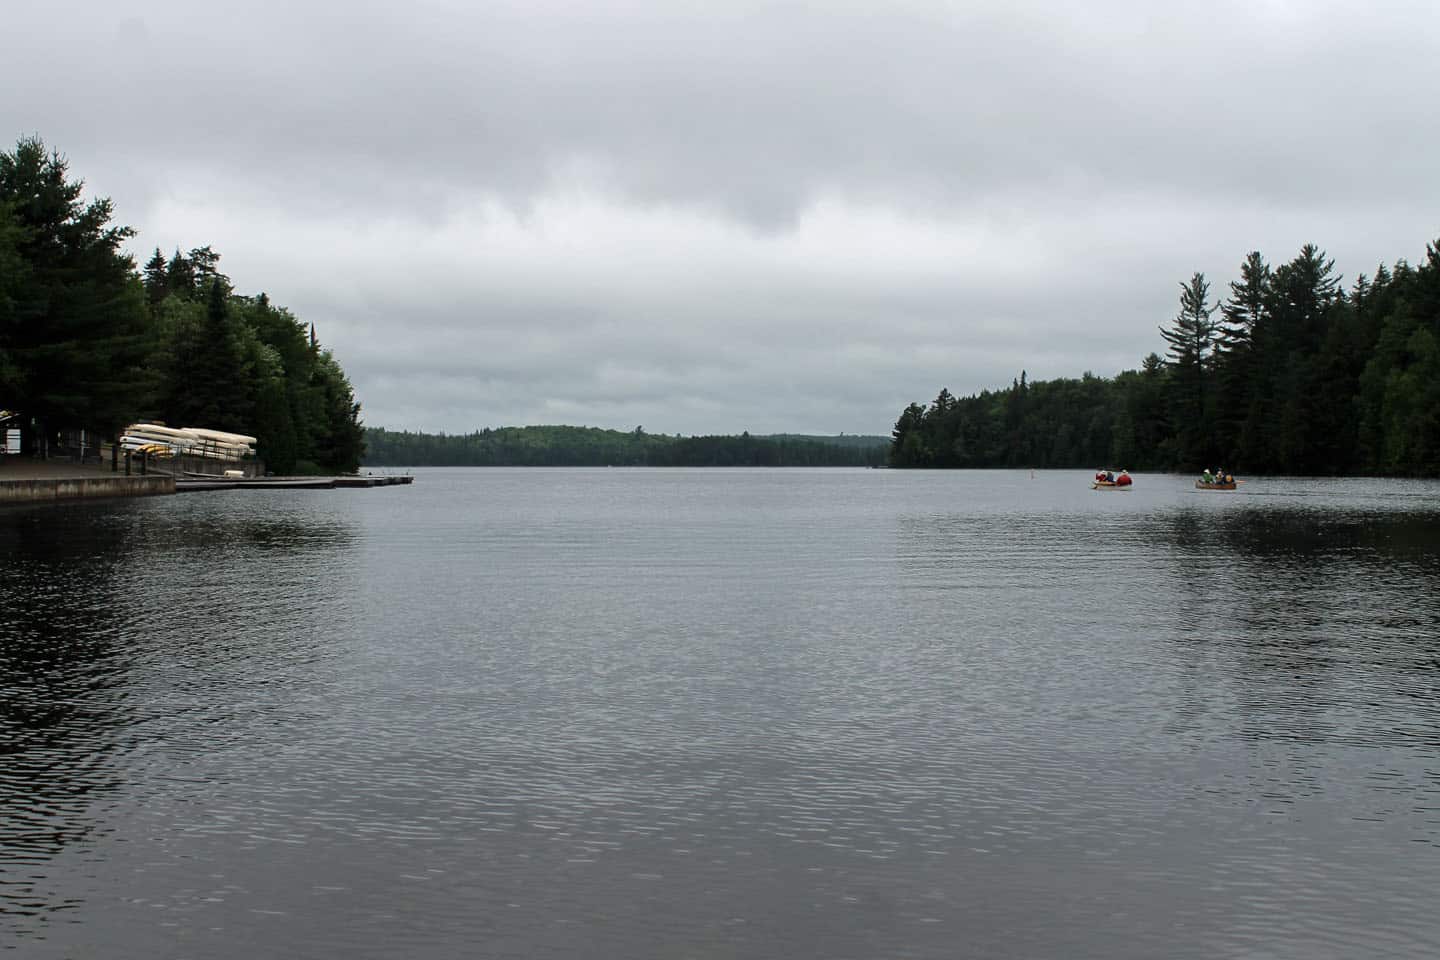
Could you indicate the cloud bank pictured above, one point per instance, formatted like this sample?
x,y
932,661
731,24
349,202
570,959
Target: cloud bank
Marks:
x,y
713,218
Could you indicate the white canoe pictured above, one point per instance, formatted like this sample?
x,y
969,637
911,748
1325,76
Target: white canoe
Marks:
x,y
222,436
156,429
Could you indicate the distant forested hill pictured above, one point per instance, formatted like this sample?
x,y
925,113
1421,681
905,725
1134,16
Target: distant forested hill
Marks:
x,y
1289,372
561,446
858,440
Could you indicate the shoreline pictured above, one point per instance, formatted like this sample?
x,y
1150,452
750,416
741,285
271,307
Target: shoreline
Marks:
x,y
29,481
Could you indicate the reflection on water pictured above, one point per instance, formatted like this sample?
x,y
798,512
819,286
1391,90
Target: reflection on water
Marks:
x,y
1315,642
725,713
117,620
1318,610
56,724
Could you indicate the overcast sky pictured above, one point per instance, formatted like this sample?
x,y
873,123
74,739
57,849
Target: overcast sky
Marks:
x,y
727,216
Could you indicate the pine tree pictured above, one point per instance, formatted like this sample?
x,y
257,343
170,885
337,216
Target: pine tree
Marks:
x,y
1242,314
340,442
906,442
1246,305
157,285
77,330
212,382
1191,337
14,274
204,264
1302,294
180,277
1399,389
272,423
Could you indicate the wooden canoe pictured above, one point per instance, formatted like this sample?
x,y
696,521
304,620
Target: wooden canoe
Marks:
x,y
1202,485
1109,485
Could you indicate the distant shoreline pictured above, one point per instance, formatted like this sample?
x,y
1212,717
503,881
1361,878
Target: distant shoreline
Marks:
x,y
567,446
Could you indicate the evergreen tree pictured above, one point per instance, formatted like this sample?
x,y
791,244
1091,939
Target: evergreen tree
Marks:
x,y
1191,337
1399,389
340,443
14,274
1286,373
77,331
274,427
1303,291
1246,305
1331,429
211,385
1015,416
907,444
180,277
1242,314
157,285
204,264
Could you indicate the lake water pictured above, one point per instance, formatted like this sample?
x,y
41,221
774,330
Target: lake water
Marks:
x,y
725,713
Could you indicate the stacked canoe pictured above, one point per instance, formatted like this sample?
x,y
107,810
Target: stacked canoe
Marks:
x,y
156,439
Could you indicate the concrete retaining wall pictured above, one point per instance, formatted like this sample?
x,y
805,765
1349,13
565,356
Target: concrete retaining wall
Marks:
x,y
41,489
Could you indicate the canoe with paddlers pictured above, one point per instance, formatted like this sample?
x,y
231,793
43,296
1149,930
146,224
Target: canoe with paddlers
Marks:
x,y
1216,480
1106,480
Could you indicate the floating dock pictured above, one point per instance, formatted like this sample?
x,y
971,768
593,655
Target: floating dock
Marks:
x,y
373,481
197,484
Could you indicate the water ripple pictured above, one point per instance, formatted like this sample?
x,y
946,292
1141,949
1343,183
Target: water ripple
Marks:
x,y
725,713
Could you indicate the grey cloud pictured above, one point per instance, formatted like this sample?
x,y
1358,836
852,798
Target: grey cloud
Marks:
x,y
754,108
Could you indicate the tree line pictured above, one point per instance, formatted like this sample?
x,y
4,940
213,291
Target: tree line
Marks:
x,y
564,446
88,341
1287,373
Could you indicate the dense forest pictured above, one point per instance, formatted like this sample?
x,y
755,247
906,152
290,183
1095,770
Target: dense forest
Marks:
x,y
88,341
1287,373
556,446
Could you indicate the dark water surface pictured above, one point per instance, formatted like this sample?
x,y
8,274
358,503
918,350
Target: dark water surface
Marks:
x,y
685,713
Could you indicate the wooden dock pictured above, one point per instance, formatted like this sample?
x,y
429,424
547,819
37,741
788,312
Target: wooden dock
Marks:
x,y
198,484
371,480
